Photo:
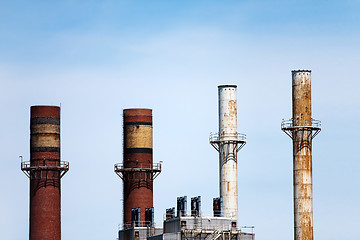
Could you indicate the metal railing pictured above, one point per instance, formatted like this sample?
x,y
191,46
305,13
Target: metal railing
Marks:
x,y
252,229
27,168
136,224
299,123
122,171
26,165
216,137
291,126
118,167
211,227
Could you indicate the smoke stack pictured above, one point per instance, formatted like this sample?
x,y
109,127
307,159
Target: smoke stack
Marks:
x,y
302,129
228,142
45,171
137,170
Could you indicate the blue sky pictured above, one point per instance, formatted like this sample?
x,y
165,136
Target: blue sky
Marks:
x,y
98,58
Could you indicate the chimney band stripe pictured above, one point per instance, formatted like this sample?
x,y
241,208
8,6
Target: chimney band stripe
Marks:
x,y
138,123
45,120
138,150
45,149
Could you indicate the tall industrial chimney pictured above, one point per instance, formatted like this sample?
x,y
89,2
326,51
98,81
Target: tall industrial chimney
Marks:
x,y
45,171
228,142
137,170
302,129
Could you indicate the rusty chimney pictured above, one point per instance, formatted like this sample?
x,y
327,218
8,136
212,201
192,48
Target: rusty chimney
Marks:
x,y
45,171
228,142
302,129
137,170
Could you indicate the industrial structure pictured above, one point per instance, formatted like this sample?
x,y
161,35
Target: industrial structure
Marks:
x,y
302,128
228,142
137,172
194,226
45,171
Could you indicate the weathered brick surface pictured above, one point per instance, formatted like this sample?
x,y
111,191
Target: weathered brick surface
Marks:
x,y
45,223
138,189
